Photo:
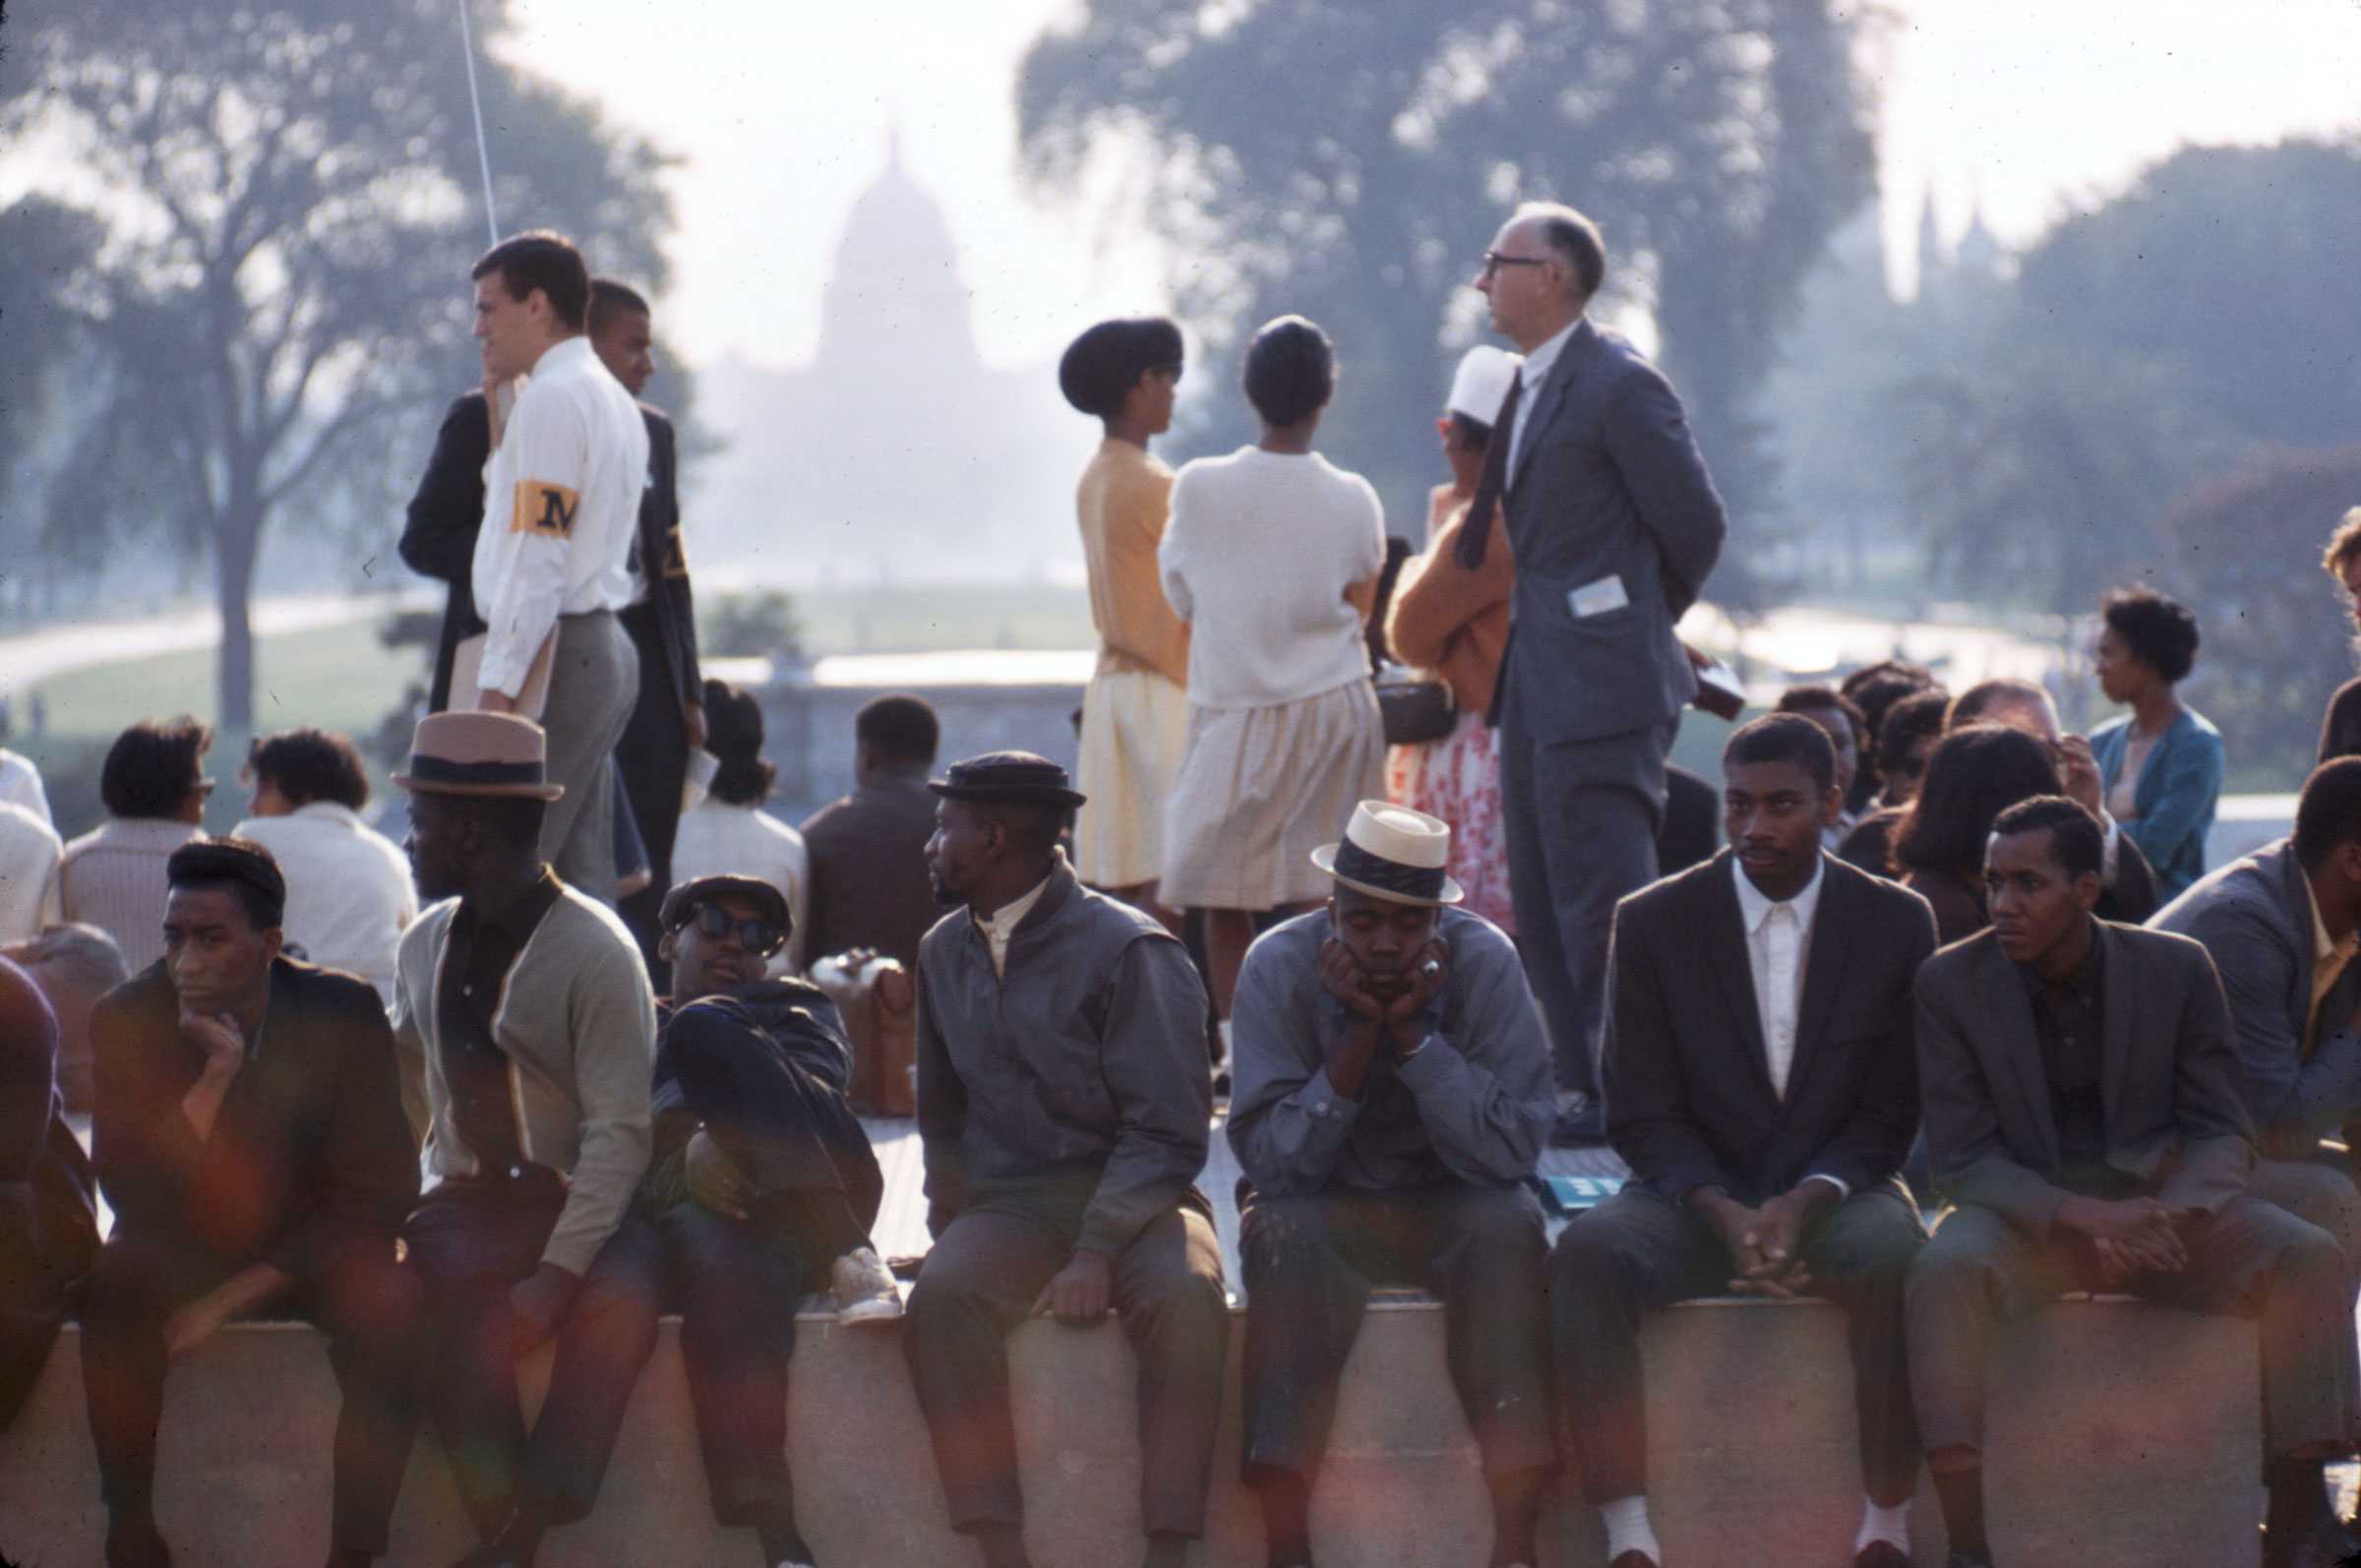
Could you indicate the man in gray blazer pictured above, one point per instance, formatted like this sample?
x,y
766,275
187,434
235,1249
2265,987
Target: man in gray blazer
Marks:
x,y
2280,924
1614,525
2083,1116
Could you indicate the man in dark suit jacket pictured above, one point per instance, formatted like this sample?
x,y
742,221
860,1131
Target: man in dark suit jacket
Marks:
x,y
669,719
1614,525
2083,1114
249,1132
438,535
47,1233
1761,1084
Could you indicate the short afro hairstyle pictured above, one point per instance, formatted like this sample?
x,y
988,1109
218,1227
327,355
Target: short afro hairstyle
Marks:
x,y
1815,697
2342,545
545,260
1916,718
1783,738
246,870
611,297
2075,837
900,728
2328,812
733,734
153,767
1290,370
1104,364
2160,632
307,766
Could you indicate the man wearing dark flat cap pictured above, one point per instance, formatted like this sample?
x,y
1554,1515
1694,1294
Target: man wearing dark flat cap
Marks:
x,y
1064,1099
762,1188
526,1032
1392,1094
248,1132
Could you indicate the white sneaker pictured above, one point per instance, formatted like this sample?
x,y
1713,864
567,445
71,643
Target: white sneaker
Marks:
x,y
865,1287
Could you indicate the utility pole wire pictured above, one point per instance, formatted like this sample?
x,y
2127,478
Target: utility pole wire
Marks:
x,y
483,153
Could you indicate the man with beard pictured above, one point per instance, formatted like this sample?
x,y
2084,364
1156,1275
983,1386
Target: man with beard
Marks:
x,y
1065,1100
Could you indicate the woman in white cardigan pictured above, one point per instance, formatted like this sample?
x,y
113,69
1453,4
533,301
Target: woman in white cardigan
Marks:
x,y
1272,557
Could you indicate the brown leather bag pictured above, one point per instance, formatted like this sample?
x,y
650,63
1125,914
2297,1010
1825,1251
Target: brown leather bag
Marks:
x,y
879,1001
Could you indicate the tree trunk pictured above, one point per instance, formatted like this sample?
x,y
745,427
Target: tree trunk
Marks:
x,y
234,551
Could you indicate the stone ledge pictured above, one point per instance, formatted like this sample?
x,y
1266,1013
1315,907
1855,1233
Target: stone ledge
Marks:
x,y
2120,1436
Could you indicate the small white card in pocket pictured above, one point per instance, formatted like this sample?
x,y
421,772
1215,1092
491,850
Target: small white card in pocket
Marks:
x,y
1597,598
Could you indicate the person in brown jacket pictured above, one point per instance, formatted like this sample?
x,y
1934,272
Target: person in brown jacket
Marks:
x,y
1453,621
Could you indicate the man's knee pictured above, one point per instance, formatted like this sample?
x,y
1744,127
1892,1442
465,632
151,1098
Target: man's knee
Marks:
x,y
614,1315
1959,1267
126,1283
376,1304
1283,1234
2317,1194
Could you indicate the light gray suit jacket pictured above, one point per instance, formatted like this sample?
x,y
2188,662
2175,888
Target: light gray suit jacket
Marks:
x,y
1608,483
2174,1121
2255,916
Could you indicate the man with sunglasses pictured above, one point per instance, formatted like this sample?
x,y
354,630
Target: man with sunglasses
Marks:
x,y
1614,525
762,1186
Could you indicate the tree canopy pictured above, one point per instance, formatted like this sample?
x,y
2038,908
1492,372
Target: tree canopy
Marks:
x,y
1350,161
289,196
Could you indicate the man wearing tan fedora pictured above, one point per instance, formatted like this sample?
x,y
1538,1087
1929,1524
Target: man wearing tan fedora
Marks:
x,y
525,1031
1393,1091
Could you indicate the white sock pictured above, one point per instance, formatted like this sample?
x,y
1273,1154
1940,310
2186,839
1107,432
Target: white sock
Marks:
x,y
1889,1525
1628,1529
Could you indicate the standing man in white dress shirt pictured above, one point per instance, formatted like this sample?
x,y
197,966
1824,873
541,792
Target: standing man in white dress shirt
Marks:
x,y
552,561
350,894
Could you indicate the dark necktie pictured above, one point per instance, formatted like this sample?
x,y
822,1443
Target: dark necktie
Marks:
x,y
1477,532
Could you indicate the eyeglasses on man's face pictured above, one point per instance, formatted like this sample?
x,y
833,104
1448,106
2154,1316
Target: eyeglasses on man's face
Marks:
x,y
758,937
1493,261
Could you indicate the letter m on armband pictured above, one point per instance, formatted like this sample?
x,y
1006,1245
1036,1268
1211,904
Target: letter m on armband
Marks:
x,y
545,509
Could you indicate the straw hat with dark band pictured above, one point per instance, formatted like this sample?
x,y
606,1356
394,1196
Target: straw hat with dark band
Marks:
x,y
1394,853
494,755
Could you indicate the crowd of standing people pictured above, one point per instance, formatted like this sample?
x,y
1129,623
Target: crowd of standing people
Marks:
x,y
556,1066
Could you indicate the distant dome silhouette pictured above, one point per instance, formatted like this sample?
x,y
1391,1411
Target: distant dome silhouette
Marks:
x,y
894,288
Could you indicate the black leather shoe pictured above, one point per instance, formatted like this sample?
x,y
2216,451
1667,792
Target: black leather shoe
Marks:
x,y
2326,1545
1634,1559
1881,1554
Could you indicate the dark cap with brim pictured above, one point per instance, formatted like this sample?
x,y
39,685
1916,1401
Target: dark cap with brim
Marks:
x,y
682,901
1009,778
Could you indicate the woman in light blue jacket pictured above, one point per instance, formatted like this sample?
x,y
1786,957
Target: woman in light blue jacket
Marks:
x,y
2161,763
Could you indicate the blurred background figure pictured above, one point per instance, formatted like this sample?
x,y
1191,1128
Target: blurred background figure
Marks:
x,y
729,835
1904,740
1135,710
1453,623
1272,558
74,966
350,894
155,787
1848,731
2161,763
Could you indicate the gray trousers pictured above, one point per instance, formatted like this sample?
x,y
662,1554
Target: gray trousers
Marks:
x,y
594,681
2253,1258
981,1281
1310,1259
1638,1250
1582,819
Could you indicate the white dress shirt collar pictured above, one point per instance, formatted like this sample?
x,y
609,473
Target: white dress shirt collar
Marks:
x,y
1000,925
1779,938
1538,363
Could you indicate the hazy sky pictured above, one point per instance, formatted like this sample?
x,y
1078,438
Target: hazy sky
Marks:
x,y
2031,106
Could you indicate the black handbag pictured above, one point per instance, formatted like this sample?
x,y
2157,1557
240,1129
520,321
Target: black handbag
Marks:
x,y
1417,708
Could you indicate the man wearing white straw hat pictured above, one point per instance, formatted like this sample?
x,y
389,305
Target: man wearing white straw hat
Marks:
x,y
1393,1090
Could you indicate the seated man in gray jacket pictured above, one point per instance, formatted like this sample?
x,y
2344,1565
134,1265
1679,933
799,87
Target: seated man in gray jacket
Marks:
x,y
2280,924
1393,1093
1064,1101
2081,1113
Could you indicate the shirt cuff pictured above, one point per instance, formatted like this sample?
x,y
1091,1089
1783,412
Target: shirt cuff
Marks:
x,y
2110,846
1843,1187
1323,1104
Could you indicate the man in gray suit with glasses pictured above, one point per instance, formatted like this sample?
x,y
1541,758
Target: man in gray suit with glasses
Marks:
x,y
1615,525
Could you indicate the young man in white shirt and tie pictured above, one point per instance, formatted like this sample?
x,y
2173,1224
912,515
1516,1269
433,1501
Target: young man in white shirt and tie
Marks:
x,y
552,564
1761,1084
